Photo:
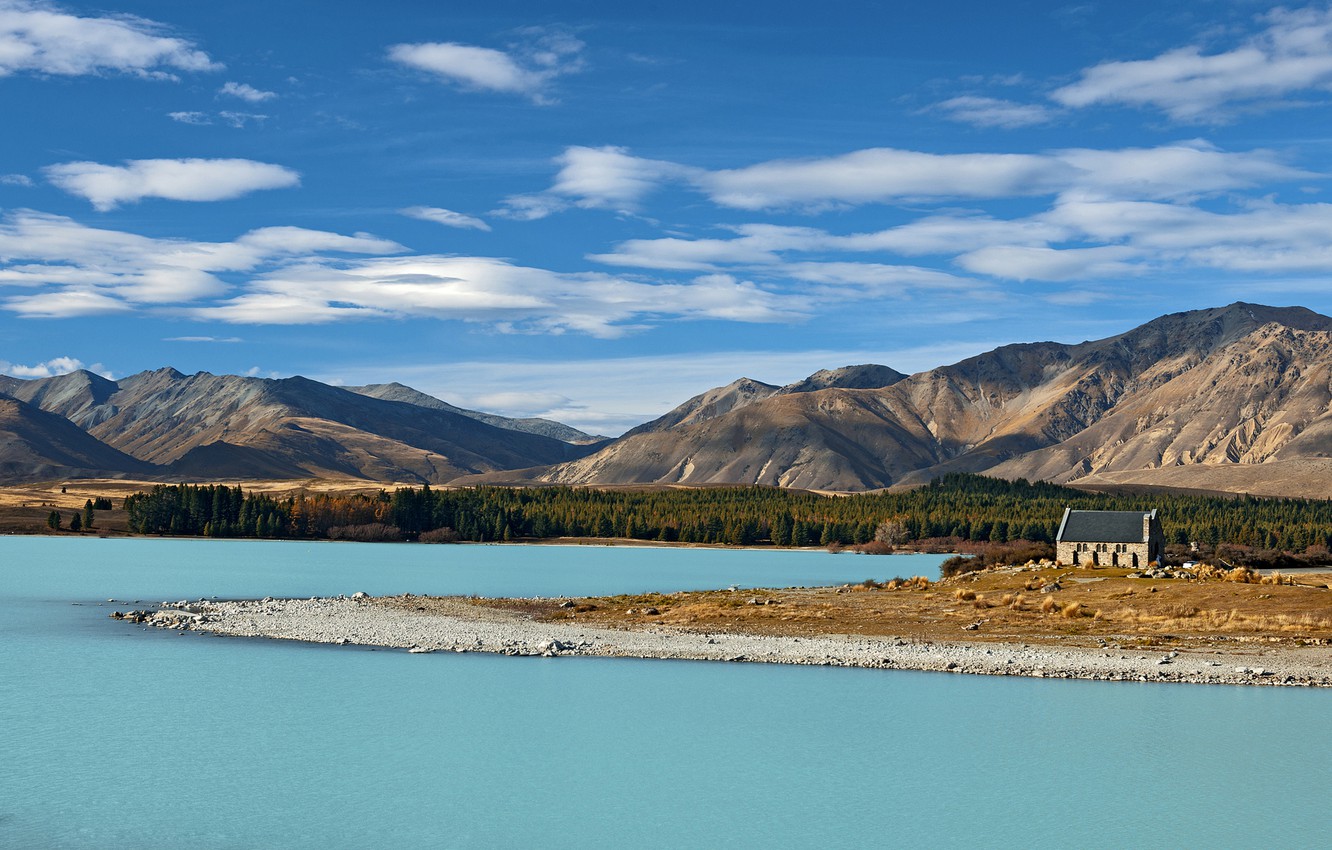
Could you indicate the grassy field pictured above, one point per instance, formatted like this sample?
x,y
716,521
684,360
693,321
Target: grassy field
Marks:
x,y
1089,607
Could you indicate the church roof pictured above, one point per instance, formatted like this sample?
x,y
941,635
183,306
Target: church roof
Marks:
x,y
1104,526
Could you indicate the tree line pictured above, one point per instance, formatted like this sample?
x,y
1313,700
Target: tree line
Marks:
x,y
957,506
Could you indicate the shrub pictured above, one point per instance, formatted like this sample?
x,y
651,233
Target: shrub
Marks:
x,y
1049,605
960,564
439,535
374,532
964,595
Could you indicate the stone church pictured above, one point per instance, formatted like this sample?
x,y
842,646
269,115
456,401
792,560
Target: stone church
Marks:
x,y
1109,539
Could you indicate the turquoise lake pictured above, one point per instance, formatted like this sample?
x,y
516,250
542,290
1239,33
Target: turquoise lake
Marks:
x,y
112,735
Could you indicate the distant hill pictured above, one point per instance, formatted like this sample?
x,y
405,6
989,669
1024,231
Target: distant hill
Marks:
x,y
223,427
37,445
531,425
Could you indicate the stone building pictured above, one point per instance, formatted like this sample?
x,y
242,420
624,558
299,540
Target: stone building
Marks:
x,y
1109,538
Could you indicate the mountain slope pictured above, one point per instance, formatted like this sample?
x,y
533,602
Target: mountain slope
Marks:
x,y
36,445
227,426
709,405
1211,389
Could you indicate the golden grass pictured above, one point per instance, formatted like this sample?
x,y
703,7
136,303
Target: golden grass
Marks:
x,y
1231,621
1099,604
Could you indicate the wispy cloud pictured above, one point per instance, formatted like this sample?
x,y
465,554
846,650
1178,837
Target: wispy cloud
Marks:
x,y
288,276
613,178
448,218
240,119
15,180
39,37
78,270
524,70
223,339
108,186
1292,54
483,289
608,178
246,92
994,112
199,119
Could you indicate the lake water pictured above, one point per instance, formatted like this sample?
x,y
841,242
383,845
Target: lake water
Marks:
x,y
111,735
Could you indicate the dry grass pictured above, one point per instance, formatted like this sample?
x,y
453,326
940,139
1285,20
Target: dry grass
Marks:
x,y
1093,605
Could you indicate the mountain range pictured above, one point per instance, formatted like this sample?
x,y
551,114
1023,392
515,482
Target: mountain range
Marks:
x,y
1235,398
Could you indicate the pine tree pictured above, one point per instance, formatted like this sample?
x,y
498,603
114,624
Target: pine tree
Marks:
x,y
53,520
76,523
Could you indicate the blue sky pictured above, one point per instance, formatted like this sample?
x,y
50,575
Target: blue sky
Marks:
x,y
592,210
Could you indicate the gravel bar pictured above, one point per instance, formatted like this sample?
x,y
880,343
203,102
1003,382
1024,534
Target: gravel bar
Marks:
x,y
458,625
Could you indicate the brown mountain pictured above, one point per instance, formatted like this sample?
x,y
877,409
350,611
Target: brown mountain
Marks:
x,y
1234,398
208,426
38,445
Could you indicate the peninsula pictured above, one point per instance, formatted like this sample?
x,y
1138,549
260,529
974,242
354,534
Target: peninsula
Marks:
x,y
1040,620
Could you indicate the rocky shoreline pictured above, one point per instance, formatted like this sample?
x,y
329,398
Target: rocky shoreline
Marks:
x,y
459,625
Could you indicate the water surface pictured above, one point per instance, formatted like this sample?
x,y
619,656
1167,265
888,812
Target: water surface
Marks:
x,y
110,734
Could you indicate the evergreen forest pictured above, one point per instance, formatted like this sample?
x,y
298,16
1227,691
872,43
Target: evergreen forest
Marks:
x,y
959,507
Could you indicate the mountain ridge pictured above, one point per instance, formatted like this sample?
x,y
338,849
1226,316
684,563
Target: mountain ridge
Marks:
x,y
1042,410
1235,398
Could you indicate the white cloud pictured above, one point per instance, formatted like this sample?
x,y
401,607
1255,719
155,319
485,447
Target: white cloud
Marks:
x,y
225,339
65,304
612,178
107,186
15,180
884,174
87,271
994,112
484,289
51,368
526,70
41,38
687,254
199,119
448,218
1181,170
530,207
226,116
1293,53
1021,262
240,119
597,178
282,275
246,92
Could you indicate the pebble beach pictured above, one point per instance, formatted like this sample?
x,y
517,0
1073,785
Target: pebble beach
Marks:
x,y
460,625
